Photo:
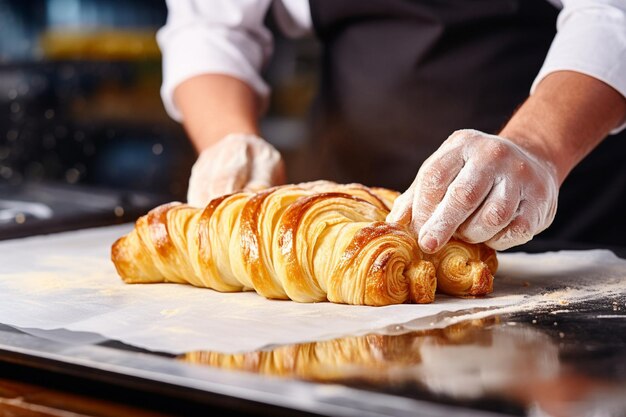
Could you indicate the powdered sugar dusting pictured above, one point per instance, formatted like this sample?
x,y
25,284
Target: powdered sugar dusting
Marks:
x,y
554,279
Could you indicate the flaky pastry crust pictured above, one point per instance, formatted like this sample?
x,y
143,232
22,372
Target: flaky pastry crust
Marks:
x,y
309,242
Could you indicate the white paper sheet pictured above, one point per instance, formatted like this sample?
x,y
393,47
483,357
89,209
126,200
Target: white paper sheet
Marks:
x,y
64,284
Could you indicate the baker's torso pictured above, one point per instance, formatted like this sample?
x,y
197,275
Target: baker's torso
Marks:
x,y
398,76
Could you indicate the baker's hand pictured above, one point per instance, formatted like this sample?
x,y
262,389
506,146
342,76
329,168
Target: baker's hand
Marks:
x,y
479,188
236,162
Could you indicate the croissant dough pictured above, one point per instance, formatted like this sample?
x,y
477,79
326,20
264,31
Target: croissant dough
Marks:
x,y
308,242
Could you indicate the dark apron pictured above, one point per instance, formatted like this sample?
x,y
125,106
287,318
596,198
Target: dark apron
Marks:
x,y
399,76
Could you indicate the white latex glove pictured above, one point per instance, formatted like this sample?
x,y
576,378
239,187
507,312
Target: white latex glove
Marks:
x,y
237,162
479,188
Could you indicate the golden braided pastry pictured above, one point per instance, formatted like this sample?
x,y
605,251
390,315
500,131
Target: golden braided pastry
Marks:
x,y
307,242
464,269
311,242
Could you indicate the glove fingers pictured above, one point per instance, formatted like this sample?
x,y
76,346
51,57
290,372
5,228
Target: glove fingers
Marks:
x,y
222,171
267,170
202,191
480,188
463,196
493,215
402,207
430,186
227,182
519,231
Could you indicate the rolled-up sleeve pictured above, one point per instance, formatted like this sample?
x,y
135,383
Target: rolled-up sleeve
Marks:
x,y
213,37
591,39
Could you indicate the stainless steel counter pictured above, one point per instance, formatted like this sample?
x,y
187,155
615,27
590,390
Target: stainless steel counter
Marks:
x,y
558,362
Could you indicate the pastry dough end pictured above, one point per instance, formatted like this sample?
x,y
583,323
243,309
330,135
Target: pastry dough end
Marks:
x,y
483,279
133,264
423,282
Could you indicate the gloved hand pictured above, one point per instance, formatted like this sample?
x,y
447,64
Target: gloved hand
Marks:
x,y
237,162
479,188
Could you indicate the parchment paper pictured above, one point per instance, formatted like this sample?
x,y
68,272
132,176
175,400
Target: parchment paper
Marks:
x,y
64,286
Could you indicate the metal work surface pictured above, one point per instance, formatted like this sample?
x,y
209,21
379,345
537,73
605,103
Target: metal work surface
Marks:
x,y
565,361
562,360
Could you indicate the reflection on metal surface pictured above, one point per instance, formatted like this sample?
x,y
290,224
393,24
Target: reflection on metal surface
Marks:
x,y
470,360
12,210
464,360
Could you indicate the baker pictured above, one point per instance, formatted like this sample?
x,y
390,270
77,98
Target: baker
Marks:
x,y
525,91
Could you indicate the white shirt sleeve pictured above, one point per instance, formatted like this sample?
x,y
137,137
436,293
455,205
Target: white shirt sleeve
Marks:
x,y
591,39
213,37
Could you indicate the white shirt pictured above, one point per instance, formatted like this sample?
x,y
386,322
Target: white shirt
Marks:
x,y
228,37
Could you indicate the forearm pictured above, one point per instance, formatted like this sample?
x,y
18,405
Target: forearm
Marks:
x,y
214,105
566,117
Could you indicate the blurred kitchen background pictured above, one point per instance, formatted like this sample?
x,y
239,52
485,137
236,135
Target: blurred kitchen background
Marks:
x,y
84,138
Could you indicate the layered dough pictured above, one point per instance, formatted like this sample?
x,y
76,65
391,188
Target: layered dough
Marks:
x,y
308,242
